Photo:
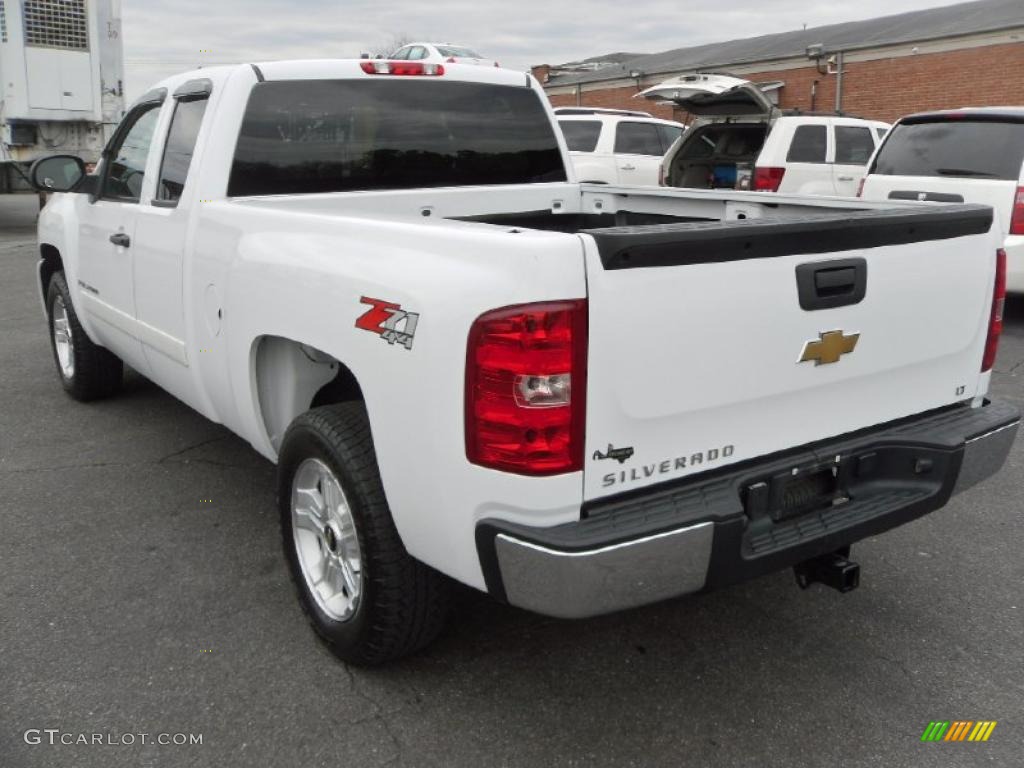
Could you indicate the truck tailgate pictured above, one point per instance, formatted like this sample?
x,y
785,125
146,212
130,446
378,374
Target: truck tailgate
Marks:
x,y
714,343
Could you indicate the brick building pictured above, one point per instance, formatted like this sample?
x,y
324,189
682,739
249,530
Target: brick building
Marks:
x,y
970,54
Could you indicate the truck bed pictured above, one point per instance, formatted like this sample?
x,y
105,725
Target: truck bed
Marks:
x,y
706,308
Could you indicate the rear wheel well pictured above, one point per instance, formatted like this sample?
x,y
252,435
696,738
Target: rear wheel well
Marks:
x,y
343,388
51,264
292,377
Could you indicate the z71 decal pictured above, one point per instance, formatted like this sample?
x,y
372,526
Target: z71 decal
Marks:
x,y
394,324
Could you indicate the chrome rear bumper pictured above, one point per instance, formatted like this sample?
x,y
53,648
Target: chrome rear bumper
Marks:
x,y
696,535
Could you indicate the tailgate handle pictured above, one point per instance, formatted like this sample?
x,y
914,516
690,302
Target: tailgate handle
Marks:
x,y
829,284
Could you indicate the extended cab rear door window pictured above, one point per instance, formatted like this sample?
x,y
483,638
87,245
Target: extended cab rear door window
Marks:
x,y
179,147
810,144
302,136
581,135
966,148
638,139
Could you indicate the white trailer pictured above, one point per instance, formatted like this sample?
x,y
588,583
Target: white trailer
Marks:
x,y
61,81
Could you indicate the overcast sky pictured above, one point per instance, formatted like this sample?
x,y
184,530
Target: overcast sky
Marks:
x,y
162,38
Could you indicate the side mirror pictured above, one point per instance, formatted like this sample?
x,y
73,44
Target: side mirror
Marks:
x,y
57,173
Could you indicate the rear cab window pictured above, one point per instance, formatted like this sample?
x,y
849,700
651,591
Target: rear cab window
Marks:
x,y
581,135
308,136
979,147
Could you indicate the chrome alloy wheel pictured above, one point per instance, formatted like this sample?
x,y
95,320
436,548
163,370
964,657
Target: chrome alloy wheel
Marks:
x,y
326,543
62,340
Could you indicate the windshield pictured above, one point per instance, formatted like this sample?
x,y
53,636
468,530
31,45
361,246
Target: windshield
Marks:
x,y
983,149
302,136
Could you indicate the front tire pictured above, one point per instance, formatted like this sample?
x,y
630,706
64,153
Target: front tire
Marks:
x,y
87,371
366,597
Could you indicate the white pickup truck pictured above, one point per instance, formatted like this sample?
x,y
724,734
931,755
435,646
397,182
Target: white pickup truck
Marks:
x,y
578,398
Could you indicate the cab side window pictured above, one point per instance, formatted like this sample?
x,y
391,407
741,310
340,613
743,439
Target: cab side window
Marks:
x,y
181,143
809,144
126,162
853,145
638,139
669,134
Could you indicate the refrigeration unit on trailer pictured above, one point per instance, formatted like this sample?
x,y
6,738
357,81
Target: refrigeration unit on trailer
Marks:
x,y
61,74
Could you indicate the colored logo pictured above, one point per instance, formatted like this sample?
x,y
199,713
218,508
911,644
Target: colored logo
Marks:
x,y
958,730
394,324
829,347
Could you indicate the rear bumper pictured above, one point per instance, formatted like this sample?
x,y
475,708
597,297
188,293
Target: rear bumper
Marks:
x,y
710,531
1014,247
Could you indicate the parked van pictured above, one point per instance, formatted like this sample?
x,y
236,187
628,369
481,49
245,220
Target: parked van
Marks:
x,y
959,156
740,140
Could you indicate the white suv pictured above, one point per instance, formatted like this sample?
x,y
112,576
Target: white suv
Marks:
x,y
971,155
740,140
616,146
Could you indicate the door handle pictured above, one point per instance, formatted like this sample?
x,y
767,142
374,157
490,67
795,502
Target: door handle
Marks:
x,y
627,167
121,239
834,283
845,178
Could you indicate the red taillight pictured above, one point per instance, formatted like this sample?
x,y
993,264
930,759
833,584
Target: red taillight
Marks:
x,y
768,179
385,67
526,371
1017,217
995,323
860,187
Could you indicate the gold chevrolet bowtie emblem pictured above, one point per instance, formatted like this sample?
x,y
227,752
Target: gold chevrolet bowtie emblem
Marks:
x,y
829,347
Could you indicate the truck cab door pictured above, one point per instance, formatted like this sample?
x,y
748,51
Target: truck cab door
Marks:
x,y
106,231
161,240
638,152
854,145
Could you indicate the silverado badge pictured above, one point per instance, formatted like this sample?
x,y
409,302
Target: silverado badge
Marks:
x,y
828,347
619,454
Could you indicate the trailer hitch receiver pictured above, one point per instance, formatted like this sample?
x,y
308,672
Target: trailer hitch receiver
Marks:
x,y
832,569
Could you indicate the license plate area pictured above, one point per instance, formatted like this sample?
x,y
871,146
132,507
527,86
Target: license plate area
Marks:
x,y
797,492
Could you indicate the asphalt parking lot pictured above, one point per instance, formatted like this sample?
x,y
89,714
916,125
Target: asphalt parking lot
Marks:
x,y
130,604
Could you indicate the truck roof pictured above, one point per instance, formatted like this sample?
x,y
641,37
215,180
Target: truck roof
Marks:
x,y
1011,113
326,69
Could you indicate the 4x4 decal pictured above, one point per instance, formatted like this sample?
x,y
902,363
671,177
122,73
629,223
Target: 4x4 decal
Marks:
x,y
394,324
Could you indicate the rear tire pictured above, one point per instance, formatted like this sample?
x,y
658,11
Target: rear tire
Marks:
x,y
366,597
87,371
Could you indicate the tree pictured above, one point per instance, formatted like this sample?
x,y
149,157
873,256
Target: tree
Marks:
x,y
391,44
